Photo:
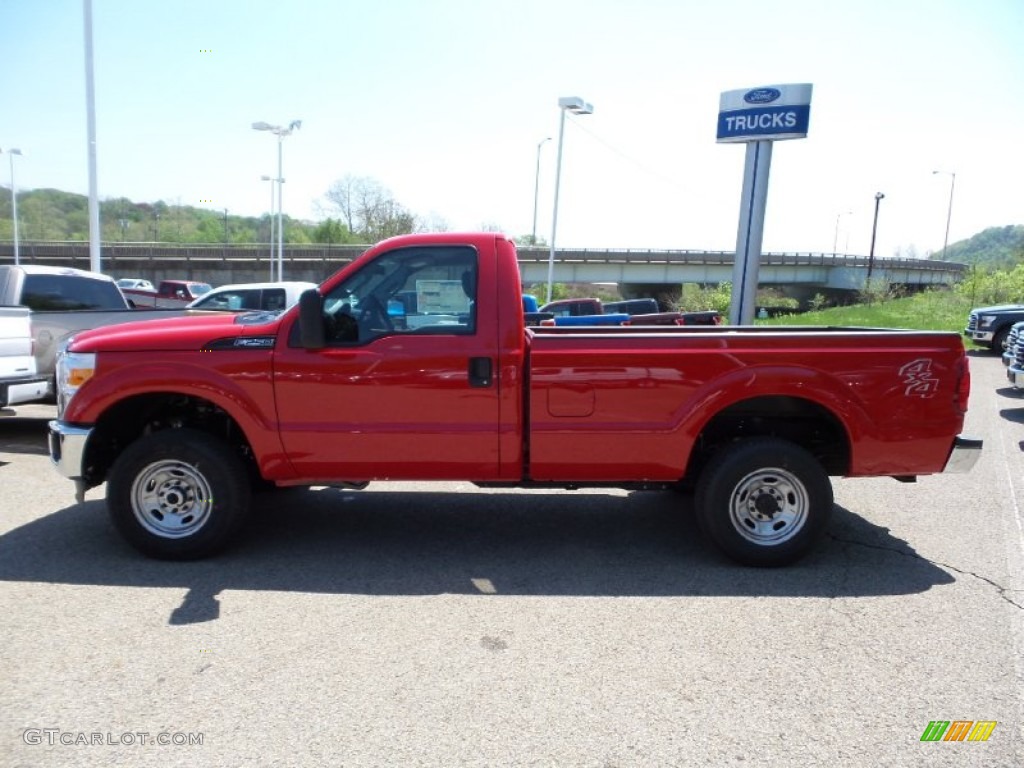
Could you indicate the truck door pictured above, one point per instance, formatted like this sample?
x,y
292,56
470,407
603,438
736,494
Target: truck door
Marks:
x,y
405,388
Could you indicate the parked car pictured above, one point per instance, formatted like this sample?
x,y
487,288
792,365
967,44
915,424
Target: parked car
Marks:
x,y
628,312
135,283
19,381
63,301
170,293
181,417
1013,341
272,297
989,326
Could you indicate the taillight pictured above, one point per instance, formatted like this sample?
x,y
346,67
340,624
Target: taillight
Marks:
x,y
963,385
548,322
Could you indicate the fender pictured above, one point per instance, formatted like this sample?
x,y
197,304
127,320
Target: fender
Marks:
x,y
238,381
751,382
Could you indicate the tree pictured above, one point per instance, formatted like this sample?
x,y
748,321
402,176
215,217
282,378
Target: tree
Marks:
x,y
368,208
331,231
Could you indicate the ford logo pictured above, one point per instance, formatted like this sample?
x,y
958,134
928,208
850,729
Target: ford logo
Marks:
x,y
762,95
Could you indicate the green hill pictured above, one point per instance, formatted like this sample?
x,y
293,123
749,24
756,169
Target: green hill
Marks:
x,y
995,248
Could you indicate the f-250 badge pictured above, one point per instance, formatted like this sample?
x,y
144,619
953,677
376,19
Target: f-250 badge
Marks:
x,y
918,380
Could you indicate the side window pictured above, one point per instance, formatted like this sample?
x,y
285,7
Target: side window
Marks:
x,y
420,290
69,292
273,299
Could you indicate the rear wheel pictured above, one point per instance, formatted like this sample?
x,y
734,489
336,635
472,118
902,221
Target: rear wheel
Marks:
x,y
179,494
764,501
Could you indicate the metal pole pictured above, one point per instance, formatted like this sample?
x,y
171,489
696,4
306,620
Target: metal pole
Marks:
x,y
949,214
280,209
754,201
536,190
95,258
14,206
554,213
874,230
271,218
835,240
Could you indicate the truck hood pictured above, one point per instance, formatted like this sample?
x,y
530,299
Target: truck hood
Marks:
x,y
180,333
999,308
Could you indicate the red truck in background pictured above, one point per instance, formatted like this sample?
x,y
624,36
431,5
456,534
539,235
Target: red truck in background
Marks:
x,y
169,293
182,418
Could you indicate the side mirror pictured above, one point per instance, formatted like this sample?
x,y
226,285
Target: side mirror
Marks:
x,y
311,320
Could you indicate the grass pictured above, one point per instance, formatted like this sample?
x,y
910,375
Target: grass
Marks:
x,y
928,311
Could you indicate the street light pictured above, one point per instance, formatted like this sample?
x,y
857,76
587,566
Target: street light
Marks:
x,y
949,213
271,179
536,189
835,240
280,132
874,229
577,106
14,203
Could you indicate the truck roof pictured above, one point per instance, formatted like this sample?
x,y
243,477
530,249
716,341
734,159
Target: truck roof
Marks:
x,y
38,269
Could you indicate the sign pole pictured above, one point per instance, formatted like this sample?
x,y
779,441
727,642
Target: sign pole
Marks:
x,y
757,117
753,202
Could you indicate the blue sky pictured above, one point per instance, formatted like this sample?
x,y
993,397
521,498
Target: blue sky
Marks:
x,y
445,101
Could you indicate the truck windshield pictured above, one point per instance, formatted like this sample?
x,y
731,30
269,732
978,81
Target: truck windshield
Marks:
x,y
70,292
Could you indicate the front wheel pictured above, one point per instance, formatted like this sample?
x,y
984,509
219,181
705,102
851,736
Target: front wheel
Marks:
x,y
178,494
764,501
999,341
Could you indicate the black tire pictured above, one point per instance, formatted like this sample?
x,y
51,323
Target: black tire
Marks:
x,y
178,494
765,502
999,339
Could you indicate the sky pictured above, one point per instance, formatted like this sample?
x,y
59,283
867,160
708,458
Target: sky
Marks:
x,y
444,102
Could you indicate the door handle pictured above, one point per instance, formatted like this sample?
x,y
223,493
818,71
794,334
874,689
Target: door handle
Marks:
x,y
481,372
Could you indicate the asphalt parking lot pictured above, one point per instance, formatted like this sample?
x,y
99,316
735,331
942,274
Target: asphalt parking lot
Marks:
x,y
450,626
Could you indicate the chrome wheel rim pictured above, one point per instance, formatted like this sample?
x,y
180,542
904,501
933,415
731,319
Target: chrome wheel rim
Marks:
x,y
769,506
171,499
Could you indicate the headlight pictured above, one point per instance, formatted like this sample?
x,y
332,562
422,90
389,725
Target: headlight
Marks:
x,y
73,370
986,320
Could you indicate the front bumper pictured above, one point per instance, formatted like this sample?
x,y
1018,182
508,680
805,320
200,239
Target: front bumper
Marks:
x,y
17,391
1015,376
964,455
981,337
67,448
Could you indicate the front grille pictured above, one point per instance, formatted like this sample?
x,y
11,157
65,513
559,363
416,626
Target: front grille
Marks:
x,y
972,322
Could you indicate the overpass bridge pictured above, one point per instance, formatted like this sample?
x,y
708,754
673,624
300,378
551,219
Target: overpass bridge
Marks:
x,y
799,274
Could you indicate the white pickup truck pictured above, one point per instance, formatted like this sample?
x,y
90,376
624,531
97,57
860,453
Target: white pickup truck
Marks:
x,y
63,301
19,381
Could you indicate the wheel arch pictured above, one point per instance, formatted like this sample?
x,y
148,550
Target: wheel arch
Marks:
x,y
127,420
801,421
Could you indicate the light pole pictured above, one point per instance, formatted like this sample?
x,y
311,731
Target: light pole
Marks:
x,y
271,179
536,189
280,132
949,213
14,203
874,230
577,106
835,240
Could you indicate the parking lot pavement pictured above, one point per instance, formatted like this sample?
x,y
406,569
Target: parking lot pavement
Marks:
x,y
446,626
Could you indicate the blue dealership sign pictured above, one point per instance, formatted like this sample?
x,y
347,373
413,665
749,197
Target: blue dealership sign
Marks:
x,y
765,113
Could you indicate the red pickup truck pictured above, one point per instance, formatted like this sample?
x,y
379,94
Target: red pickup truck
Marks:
x,y
184,417
169,293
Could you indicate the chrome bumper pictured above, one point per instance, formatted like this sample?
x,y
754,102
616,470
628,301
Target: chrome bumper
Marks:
x,y
67,448
1015,376
978,335
964,455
